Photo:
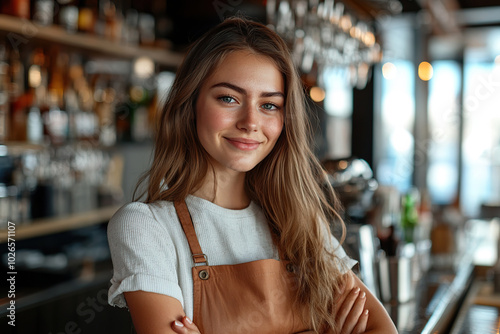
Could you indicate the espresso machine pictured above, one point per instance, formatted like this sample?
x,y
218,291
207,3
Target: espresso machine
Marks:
x,y
355,185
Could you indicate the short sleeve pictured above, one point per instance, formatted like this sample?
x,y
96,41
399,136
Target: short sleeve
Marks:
x,y
332,245
143,255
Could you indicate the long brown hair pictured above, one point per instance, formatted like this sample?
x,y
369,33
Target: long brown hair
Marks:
x,y
287,184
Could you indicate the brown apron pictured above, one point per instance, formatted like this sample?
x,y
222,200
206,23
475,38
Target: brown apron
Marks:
x,y
252,297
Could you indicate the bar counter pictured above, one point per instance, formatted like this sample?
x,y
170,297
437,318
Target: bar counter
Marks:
x,y
438,296
458,299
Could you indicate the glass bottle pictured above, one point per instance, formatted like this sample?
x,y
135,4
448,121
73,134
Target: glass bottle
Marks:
x,y
43,13
34,127
4,96
20,8
409,215
57,121
68,15
87,15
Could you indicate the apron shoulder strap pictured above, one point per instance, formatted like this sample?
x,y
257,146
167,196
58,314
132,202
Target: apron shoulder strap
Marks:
x,y
187,225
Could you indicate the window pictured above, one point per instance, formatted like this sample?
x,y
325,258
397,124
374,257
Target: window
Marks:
x,y
444,129
481,140
395,142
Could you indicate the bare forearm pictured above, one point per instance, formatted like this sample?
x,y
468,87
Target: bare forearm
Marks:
x,y
382,325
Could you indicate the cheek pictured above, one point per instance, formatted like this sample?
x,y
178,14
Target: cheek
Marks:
x,y
275,128
210,119
214,122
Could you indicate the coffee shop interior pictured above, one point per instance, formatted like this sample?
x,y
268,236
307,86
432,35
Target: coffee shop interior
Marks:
x,y
403,97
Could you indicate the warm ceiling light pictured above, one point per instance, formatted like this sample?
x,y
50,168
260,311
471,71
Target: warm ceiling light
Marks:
x,y
389,71
425,71
317,94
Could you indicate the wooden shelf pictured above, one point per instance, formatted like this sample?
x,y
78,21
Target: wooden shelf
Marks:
x,y
23,30
18,148
53,225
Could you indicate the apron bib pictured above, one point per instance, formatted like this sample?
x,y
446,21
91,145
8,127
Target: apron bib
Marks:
x,y
252,297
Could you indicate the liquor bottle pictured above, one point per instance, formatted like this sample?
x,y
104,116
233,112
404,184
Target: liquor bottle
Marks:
x,y
87,15
20,8
131,27
4,94
58,69
123,119
85,125
56,121
34,131
43,12
72,108
19,98
147,29
409,215
140,118
105,107
112,17
34,126
87,121
68,15
16,76
37,71
38,84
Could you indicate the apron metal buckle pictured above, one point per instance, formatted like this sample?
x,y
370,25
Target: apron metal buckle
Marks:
x,y
199,259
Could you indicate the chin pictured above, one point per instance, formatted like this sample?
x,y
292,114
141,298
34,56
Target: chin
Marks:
x,y
243,168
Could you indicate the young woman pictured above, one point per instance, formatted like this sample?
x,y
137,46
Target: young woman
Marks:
x,y
234,232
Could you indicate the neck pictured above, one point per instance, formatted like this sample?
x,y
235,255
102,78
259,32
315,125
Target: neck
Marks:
x,y
230,192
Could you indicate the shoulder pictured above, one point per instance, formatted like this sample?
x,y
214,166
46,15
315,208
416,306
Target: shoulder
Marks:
x,y
142,211
130,210
138,218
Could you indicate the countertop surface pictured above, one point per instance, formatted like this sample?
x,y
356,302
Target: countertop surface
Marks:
x,y
438,298
448,300
480,319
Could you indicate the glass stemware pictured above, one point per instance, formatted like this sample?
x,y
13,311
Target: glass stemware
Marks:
x,y
326,34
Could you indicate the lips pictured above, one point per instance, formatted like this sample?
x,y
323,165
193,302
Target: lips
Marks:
x,y
244,143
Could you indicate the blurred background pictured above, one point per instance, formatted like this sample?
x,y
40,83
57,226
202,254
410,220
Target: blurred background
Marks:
x,y
403,96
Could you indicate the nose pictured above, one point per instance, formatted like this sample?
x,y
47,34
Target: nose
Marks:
x,y
248,120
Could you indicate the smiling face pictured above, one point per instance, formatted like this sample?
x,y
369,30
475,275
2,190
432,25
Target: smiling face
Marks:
x,y
239,111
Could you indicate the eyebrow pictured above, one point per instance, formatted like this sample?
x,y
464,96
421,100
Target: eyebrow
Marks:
x,y
243,91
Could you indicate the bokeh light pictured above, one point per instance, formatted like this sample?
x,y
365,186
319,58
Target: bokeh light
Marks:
x,y
425,71
389,71
317,94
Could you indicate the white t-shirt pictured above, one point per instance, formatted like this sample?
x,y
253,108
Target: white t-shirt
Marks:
x,y
150,251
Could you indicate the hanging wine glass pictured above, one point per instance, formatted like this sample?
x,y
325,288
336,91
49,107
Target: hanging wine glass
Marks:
x,y
325,33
